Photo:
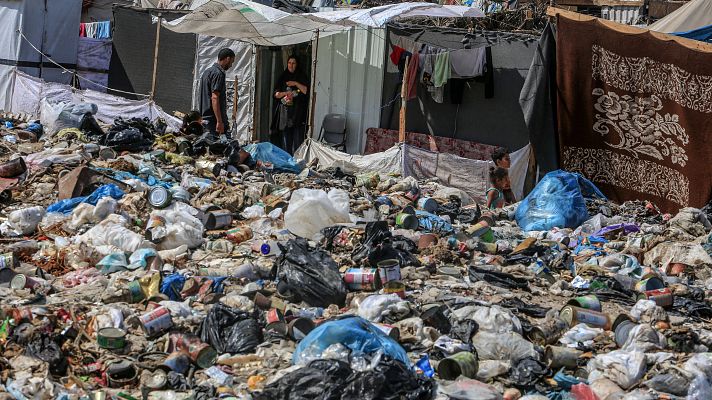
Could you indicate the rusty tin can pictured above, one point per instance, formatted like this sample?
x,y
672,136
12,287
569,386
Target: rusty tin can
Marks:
x,y
389,270
362,279
661,297
548,332
22,281
589,302
156,321
577,315
557,357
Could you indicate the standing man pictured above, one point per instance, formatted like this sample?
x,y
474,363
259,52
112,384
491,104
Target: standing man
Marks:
x,y
213,99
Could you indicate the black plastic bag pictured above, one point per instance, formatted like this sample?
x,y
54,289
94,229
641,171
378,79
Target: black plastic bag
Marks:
x,y
309,275
531,310
48,350
335,380
498,278
527,372
330,234
230,330
465,330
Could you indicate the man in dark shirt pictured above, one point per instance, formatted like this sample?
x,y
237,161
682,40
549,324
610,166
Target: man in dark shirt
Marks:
x,y
213,100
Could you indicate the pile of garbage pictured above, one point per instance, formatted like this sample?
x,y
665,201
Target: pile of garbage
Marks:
x,y
134,266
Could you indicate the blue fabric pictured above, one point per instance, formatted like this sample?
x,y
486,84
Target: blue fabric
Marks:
x,y
172,286
103,30
267,152
66,206
355,333
559,200
703,34
432,223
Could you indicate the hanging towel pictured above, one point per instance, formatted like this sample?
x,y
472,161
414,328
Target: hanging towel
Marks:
x,y
82,30
396,54
468,63
441,70
413,76
103,30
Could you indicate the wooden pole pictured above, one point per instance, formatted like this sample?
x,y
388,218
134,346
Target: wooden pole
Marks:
x,y
155,56
404,102
234,108
312,89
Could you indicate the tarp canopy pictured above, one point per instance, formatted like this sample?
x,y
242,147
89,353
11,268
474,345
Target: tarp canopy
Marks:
x,y
693,15
258,24
703,34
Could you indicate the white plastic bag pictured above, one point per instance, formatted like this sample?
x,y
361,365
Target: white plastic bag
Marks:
x,y
580,333
373,307
508,346
23,222
311,210
622,367
49,114
466,389
112,235
182,227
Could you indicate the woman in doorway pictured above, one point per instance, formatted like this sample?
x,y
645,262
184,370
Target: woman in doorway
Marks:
x,y
291,114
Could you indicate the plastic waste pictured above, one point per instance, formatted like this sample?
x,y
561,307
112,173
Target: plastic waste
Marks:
x,y
673,382
182,227
112,235
557,201
22,222
311,210
700,366
508,346
583,392
489,369
467,389
432,223
66,206
644,338
267,153
309,275
647,311
336,380
527,371
580,333
622,367
373,307
230,330
356,333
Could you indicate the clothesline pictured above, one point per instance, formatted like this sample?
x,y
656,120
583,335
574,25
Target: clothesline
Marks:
x,y
95,30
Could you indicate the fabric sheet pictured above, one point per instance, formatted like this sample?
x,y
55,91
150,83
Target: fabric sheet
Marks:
x,y
441,70
413,66
29,91
634,113
93,60
538,102
379,139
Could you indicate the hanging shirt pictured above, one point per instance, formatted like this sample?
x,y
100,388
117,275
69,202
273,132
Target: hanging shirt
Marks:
x,y
396,54
441,69
413,76
468,63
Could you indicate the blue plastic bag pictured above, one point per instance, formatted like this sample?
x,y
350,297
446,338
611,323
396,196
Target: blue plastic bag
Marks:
x,y
172,285
66,206
267,152
356,333
559,200
432,223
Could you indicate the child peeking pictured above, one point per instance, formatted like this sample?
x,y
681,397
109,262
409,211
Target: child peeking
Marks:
x,y
499,178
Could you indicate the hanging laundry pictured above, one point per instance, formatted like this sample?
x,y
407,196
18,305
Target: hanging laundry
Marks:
x,y
95,30
468,63
82,30
396,54
103,30
413,76
441,69
428,61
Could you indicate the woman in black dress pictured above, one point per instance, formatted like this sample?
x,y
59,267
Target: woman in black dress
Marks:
x,y
291,114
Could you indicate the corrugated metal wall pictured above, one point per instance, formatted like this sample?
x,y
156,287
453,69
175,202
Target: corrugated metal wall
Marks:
x,y
349,80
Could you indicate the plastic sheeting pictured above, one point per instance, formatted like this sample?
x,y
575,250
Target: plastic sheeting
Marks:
x,y
29,92
243,69
470,176
265,26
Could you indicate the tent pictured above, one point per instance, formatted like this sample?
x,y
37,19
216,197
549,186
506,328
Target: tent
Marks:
x,y
258,24
47,26
693,15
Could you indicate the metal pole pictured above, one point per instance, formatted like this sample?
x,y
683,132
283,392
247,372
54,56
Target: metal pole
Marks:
x,y
234,110
155,56
313,86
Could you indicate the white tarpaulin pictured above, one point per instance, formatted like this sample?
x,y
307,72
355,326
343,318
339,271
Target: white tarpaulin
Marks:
x,y
29,91
265,26
693,15
468,175
387,162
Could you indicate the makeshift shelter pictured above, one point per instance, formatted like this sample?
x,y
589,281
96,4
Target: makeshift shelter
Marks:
x,y
693,15
48,27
